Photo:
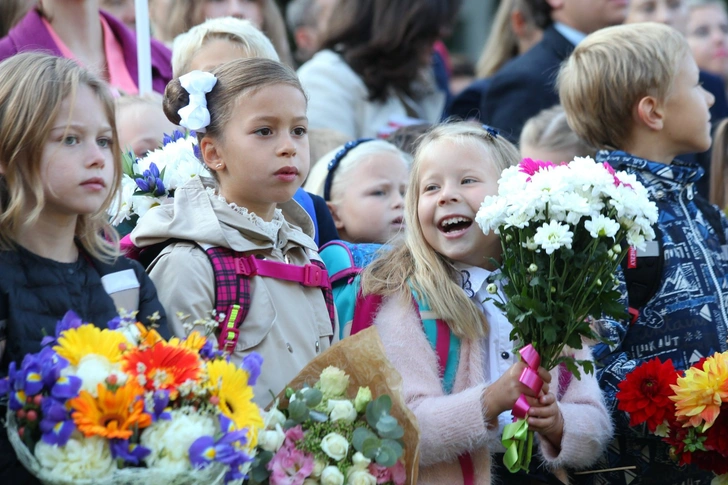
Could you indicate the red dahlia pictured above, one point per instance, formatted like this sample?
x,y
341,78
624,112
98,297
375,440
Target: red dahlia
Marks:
x,y
644,394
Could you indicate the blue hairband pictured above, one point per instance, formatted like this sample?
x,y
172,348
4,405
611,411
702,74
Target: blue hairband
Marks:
x,y
491,131
334,164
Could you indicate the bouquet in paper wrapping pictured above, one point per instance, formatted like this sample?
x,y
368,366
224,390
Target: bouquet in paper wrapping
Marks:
x,y
688,410
123,406
342,420
564,230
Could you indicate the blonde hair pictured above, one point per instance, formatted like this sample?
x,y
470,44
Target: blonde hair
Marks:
x,y
414,262
355,156
33,86
502,43
718,160
185,14
610,71
549,130
251,40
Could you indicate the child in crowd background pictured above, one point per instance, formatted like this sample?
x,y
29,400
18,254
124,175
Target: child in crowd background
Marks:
x,y
256,148
634,90
226,39
547,136
719,174
60,168
263,14
219,40
707,33
141,123
363,183
445,257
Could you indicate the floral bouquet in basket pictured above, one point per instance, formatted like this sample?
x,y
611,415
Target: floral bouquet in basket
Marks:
x,y
564,230
123,406
150,181
336,430
688,410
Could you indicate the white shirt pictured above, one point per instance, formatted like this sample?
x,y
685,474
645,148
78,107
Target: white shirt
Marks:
x,y
497,343
572,35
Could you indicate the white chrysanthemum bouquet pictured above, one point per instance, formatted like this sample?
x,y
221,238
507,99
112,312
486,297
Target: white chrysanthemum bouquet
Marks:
x,y
563,230
152,180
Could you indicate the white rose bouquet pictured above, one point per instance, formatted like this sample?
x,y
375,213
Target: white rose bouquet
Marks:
x,y
121,405
334,431
151,180
564,230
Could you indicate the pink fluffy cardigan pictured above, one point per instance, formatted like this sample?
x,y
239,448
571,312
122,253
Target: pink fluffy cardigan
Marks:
x,y
451,425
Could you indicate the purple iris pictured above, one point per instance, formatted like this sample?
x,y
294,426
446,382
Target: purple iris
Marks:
x,y
51,366
160,410
208,351
252,363
206,450
66,387
176,135
56,425
70,320
150,181
120,322
129,452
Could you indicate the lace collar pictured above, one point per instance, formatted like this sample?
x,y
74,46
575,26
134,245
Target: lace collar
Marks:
x,y
270,229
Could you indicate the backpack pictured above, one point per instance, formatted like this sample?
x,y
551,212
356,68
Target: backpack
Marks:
x,y
643,269
233,271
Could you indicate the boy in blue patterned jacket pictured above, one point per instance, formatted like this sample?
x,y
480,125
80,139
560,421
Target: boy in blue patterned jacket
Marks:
x,y
633,90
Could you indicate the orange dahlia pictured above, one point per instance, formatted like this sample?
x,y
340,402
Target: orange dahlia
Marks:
x,y
163,367
114,414
700,394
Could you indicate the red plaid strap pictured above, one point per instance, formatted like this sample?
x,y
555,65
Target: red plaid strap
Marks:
x,y
232,295
232,287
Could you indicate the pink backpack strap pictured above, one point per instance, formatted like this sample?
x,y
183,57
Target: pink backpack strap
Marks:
x,y
365,309
232,273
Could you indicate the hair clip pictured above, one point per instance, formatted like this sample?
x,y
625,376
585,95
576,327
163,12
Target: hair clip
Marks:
x,y
491,131
195,116
336,161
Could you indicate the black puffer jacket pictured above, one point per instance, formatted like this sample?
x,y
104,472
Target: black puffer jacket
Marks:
x,y
36,292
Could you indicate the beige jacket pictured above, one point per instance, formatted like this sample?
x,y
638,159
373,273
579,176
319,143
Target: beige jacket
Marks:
x,y
288,324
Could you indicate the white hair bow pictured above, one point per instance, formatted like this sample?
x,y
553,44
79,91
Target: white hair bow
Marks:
x,y
195,116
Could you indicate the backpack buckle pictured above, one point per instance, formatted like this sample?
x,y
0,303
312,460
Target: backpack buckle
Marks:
x,y
246,266
228,339
312,276
634,315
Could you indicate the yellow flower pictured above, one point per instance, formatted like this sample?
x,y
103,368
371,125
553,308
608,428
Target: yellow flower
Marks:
x,y
114,414
699,395
89,339
194,341
229,384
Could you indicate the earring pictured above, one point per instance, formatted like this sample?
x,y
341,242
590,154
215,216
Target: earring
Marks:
x,y
219,165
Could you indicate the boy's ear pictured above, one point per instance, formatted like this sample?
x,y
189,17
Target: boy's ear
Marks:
x,y
211,154
650,112
335,216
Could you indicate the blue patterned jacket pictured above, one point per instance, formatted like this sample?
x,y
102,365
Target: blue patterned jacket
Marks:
x,y
684,321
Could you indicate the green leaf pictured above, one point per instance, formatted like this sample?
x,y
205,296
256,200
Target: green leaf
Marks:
x,y
386,457
370,447
298,411
318,416
378,408
395,446
313,397
360,435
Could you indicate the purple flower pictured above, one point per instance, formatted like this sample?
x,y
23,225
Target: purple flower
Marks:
x,y
176,135
66,387
196,150
56,425
70,320
129,452
143,186
4,386
160,401
51,366
252,363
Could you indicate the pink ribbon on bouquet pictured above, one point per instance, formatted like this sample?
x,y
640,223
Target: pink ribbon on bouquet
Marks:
x,y
529,378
